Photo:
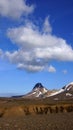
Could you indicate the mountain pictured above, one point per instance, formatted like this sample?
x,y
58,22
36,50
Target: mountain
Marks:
x,y
37,91
65,93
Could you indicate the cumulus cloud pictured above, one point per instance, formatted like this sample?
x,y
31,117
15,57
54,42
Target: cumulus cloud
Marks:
x,y
37,48
30,68
51,69
15,8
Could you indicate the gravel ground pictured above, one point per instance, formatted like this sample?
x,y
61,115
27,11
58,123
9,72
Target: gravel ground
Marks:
x,y
54,121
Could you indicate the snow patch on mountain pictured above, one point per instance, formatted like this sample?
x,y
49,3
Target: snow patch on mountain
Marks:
x,y
55,93
68,94
39,91
69,86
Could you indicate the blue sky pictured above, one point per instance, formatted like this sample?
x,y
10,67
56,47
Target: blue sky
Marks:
x,y
36,44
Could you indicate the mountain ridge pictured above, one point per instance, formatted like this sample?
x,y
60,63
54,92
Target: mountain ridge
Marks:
x,y
39,91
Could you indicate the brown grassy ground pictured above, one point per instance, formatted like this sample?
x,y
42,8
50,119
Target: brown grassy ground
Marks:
x,y
20,114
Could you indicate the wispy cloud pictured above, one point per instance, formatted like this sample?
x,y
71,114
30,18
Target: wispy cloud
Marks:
x,y
15,8
47,27
1,53
51,69
65,71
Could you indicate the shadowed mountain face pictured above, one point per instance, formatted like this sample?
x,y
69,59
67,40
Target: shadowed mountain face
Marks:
x,y
39,91
38,85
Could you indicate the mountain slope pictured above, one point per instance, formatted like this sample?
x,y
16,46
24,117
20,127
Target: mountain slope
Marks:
x,y
65,93
37,91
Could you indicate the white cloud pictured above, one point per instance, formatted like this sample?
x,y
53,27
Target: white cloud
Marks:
x,y
25,60
65,71
30,68
51,69
47,27
15,8
37,48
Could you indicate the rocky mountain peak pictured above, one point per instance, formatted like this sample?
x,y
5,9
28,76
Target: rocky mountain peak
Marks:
x,y
68,86
38,85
